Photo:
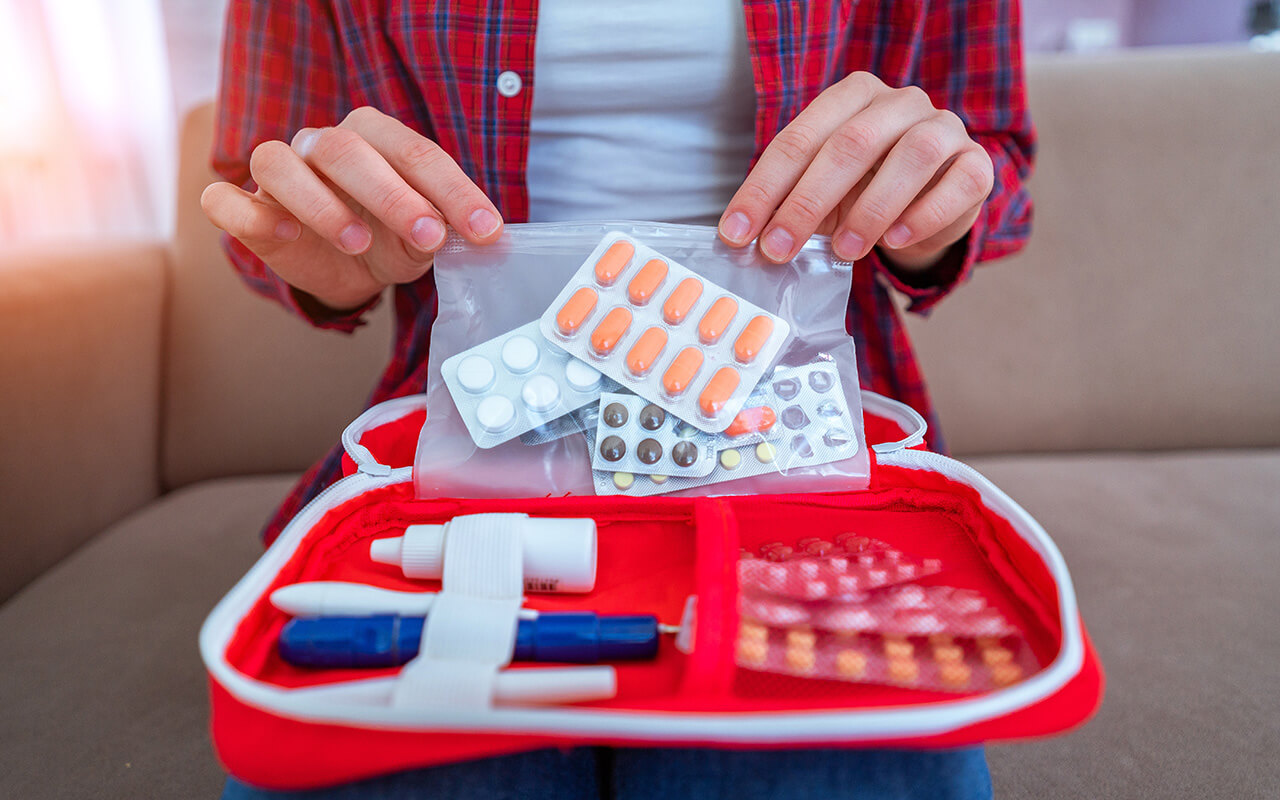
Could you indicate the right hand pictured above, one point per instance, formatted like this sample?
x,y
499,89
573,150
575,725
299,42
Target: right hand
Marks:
x,y
344,212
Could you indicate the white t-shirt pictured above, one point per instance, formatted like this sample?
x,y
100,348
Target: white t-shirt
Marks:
x,y
642,109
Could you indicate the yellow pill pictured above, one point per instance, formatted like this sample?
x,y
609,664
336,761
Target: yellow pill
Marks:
x,y
766,453
851,664
623,480
659,479
730,459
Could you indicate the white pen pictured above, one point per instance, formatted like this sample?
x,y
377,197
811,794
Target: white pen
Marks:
x,y
340,599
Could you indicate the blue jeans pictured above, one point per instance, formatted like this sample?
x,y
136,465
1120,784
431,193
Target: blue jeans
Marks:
x,y
671,774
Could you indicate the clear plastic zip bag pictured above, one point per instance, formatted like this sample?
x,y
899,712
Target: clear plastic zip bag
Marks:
x,y
514,379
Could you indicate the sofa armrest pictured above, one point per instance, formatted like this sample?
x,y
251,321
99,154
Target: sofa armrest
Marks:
x,y
80,329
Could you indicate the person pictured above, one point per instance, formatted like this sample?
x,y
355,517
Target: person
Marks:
x,y
350,134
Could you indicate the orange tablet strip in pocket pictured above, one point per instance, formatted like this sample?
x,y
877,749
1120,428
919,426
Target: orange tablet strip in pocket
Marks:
x,y
575,310
753,339
646,350
646,282
614,261
610,331
717,319
718,391
682,371
681,300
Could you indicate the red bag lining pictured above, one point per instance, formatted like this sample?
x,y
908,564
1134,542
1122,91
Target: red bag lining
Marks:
x,y
653,553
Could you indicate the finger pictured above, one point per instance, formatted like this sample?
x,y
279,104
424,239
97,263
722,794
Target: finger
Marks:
x,y
432,172
247,218
964,185
786,158
909,167
852,150
354,166
283,174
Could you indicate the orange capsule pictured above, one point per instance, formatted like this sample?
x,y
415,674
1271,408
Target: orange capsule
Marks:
x,y
716,321
753,339
647,281
752,420
681,300
576,310
610,331
646,351
614,261
682,371
718,391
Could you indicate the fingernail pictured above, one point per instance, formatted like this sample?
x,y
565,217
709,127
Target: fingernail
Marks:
x,y
287,230
483,222
355,238
305,143
777,243
897,235
735,227
427,233
848,245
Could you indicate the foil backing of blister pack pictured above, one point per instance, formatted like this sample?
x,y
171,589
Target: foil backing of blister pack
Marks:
x,y
636,436
516,382
653,352
816,428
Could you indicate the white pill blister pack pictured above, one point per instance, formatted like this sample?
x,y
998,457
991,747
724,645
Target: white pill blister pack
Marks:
x,y
516,382
664,332
814,425
636,436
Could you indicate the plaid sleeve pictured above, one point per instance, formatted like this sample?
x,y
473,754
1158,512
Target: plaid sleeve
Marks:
x,y
970,62
282,70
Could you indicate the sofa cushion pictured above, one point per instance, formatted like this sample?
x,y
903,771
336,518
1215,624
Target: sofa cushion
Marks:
x,y
1173,558
101,681
1175,563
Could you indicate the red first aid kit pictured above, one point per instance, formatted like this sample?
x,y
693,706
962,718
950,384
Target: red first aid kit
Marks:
x,y
282,726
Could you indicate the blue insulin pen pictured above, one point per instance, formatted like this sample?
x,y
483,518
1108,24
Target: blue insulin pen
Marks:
x,y
389,640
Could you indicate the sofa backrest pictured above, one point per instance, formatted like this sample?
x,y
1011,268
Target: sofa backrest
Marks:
x,y
248,387
1141,315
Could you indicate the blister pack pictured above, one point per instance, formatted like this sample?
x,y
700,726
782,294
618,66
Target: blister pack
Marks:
x,y
905,610
574,422
940,662
665,332
634,435
515,382
814,426
835,574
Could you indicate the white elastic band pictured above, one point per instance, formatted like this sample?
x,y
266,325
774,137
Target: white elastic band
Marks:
x,y
470,632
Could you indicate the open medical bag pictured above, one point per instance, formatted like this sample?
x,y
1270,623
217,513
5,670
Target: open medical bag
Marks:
x,y
740,673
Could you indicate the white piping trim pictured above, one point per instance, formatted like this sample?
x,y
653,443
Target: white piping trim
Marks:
x,y
360,703
381,414
907,418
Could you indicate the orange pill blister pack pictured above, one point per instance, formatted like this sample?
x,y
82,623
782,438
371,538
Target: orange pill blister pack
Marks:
x,y
665,332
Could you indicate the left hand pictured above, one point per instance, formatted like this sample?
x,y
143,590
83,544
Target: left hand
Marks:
x,y
866,164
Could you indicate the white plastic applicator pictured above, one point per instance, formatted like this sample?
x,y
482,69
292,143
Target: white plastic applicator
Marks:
x,y
559,553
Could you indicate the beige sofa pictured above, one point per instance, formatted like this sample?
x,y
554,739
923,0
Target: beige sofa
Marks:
x,y
1121,378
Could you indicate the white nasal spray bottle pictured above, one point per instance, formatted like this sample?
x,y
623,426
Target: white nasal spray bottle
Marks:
x,y
559,553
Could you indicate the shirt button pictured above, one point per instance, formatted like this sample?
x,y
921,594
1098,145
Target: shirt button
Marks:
x,y
509,84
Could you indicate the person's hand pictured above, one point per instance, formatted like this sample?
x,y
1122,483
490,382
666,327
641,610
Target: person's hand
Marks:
x,y
868,165
346,211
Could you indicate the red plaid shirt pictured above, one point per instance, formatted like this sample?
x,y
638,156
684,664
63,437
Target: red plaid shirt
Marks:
x,y
434,64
